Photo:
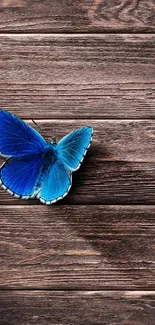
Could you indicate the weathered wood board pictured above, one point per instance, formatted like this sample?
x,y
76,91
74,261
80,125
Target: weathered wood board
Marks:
x,y
119,167
78,76
77,247
77,16
77,307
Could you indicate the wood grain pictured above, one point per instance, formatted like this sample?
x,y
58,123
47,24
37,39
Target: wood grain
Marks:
x,y
78,76
77,16
104,183
79,307
77,247
119,167
83,247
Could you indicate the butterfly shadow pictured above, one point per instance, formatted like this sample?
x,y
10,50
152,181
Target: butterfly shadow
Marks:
x,y
107,229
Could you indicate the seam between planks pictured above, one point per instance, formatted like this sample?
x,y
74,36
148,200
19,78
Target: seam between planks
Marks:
x,y
69,34
78,290
123,31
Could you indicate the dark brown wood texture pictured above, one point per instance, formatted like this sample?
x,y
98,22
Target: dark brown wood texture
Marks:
x,y
57,262
78,76
119,167
77,16
77,247
77,307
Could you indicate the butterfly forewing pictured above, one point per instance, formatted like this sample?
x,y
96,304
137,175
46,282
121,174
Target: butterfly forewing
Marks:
x,y
73,147
17,137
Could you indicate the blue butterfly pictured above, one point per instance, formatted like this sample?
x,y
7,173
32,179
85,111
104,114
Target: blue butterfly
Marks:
x,y
35,168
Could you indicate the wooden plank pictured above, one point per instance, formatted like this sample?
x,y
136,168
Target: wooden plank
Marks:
x,y
104,183
79,307
82,76
77,247
119,167
77,16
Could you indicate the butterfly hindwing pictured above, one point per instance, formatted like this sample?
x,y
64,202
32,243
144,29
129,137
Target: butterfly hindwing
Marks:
x,y
17,137
19,175
56,183
73,147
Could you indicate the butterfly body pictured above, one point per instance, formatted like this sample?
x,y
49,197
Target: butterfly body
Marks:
x,y
49,158
49,155
35,168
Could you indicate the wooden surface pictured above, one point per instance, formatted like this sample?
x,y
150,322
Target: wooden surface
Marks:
x,y
78,76
61,307
77,16
90,258
77,247
119,167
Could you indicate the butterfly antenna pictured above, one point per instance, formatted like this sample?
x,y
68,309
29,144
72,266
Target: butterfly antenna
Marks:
x,y
38,127
41,131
